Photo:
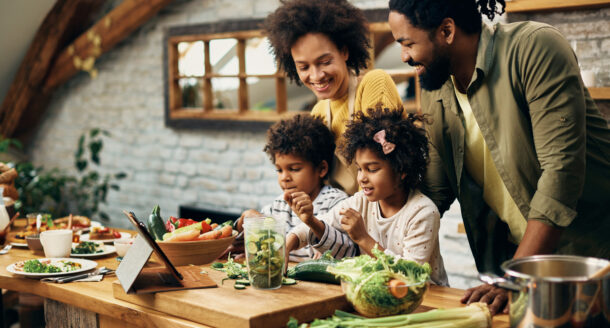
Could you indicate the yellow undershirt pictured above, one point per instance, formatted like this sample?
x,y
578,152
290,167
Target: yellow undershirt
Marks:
x,y
480,165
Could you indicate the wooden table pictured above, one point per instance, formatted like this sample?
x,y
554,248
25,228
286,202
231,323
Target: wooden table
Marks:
x,y
94,305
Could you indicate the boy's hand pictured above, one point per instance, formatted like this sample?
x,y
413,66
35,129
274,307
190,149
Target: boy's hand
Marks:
x,y
353,224
245,214
301,204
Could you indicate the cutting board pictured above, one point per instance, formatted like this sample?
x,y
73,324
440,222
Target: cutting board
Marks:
x,y
228,307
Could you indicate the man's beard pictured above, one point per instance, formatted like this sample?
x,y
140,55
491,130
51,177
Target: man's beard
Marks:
x,y
436,73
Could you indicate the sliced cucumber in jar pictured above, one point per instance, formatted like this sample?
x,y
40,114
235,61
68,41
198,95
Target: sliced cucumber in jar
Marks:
x,y
251,247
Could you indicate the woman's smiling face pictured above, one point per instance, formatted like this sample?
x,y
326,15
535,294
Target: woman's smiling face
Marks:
x,y
321,66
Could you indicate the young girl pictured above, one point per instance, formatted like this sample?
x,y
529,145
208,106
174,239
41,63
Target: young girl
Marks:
x,y
389,212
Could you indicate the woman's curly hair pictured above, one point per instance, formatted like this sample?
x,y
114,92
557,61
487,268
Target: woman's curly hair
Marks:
x,y
304,136
410,156
429,14
343,23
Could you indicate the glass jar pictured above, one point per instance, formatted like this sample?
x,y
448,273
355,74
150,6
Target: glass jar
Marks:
x,y
265,251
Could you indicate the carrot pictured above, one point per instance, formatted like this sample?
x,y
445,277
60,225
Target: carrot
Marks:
x,y
214,234
184,236
214,225
398,288
226,231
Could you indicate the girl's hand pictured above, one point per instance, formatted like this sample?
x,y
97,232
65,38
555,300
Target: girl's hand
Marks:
x,y
301,204
353,224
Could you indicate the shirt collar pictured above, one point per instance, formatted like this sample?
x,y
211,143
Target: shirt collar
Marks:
x,y
485,50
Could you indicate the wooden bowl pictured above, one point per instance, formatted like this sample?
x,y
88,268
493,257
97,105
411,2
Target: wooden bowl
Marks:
x,y
195,252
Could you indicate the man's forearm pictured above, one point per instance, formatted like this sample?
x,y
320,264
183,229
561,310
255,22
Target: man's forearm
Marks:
x,y
539,238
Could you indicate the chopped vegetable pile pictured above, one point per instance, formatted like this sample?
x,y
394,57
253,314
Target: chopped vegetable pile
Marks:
x,y
36,266
239,273
87,247
382,285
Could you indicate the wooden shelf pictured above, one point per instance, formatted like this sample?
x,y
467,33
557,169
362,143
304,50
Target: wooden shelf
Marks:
x,y
520,6
601,93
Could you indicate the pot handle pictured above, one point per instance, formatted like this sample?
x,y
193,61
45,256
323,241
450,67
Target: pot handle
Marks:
x,y
494,279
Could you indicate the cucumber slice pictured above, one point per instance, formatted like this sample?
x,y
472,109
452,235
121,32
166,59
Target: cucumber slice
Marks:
x,y
289,281
244,282
251,247
239,286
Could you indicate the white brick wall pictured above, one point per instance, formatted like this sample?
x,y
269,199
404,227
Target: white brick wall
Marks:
x,y
217,169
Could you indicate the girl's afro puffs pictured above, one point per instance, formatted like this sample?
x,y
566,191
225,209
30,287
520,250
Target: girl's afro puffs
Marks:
x,y
410,155
304,136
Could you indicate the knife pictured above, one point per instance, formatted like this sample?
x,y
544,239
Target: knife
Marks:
x,y
101,271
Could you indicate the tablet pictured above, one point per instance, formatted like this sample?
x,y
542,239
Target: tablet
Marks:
x,y
143,231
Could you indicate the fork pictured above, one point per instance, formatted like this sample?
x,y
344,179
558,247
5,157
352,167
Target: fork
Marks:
x,y
6,249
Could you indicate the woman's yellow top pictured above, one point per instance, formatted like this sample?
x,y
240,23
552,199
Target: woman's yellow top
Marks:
x,y
375,87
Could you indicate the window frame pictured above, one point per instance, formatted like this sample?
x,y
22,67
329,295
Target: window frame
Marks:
x,y
244,117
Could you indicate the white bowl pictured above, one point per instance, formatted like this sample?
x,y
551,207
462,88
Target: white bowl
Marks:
x,y
122,246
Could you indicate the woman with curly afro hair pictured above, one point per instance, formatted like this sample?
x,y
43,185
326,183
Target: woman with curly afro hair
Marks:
x,y
389,212
324,45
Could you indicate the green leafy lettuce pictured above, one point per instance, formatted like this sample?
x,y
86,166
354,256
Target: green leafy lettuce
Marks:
x,y
365,280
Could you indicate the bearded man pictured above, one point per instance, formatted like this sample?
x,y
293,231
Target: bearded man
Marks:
x,y
515,135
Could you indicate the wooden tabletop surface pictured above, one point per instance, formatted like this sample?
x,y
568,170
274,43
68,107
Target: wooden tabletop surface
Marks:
x,y
98,296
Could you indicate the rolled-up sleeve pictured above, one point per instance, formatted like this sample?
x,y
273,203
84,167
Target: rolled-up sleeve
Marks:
x,y
554,92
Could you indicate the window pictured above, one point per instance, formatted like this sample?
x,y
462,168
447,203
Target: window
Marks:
x,y
223,74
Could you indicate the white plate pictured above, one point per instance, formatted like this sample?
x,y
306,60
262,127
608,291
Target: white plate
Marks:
x,y
106,249
85,266
124,235
19,244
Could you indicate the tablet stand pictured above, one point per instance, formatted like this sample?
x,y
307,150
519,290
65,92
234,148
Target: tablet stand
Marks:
x,y
135,278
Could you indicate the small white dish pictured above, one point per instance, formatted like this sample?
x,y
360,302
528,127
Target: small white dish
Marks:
x,y
122,246
124,235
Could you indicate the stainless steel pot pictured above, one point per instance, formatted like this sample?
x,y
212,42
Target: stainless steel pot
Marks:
x,y
555,291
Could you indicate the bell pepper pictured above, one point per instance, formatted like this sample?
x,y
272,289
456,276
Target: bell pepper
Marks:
x,y
185,222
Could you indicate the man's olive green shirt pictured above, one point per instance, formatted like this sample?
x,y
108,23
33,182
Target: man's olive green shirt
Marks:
x,y
548,140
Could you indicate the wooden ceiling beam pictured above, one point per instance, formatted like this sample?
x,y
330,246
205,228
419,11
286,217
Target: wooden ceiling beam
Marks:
x,y
103,36
51,62
61,25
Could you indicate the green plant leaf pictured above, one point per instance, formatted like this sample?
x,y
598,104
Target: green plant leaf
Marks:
x,y
120,175
81,165
115,187
94,132
80,148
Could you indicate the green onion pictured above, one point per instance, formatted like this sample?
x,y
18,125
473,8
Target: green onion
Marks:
x,y
475,315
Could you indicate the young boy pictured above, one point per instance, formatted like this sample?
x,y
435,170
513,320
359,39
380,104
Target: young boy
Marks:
x,y
301,148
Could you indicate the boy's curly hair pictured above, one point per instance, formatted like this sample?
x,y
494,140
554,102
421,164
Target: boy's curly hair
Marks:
x,y
302,135
343,23
410,156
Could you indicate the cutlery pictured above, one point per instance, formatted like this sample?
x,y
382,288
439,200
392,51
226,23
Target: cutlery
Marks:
x,y
6,249
64,279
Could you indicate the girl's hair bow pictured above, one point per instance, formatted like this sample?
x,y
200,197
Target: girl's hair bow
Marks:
x,y
386,146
